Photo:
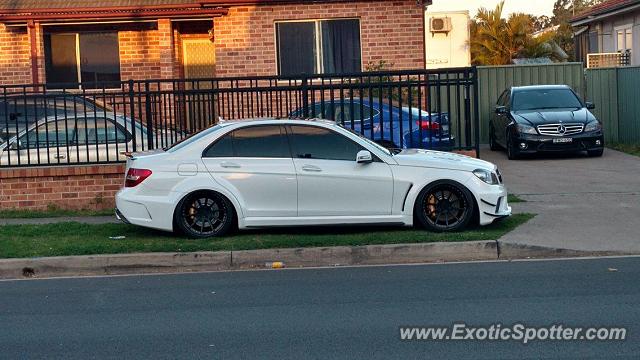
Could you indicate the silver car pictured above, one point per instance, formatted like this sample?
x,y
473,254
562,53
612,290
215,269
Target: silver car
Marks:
x,y
91,139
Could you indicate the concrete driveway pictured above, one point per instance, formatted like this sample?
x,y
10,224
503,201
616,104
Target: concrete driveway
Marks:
x,y
582,203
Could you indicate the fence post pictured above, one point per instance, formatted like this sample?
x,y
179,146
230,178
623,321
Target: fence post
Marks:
x,y
305,96
476,111
148,116
132,106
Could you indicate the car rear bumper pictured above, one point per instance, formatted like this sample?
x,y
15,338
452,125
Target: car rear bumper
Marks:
x,y
540,143
149,211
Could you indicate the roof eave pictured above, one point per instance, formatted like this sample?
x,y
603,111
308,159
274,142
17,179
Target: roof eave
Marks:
x,y
129,14
585,20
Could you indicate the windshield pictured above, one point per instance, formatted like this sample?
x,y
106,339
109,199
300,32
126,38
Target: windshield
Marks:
x,y
545,99
369,141
191,138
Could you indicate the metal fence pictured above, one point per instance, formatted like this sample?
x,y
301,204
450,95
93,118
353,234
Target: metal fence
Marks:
x,y
58,124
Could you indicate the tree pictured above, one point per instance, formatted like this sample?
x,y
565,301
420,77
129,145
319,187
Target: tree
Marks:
x,y
497,41
563,12
541,22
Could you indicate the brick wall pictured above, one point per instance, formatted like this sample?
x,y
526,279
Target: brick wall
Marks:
x,y
74,187
15,56
140,55
390,31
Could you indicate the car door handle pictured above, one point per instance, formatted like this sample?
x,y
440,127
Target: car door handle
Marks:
x,y
229,165
311,168
59,157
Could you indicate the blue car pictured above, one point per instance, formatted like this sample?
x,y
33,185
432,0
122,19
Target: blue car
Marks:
x,y
388,125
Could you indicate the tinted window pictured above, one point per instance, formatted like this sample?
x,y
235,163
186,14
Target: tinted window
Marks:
x,y
50,134
256,141
312,142
345,113
545,99
100,131
221,148
261,141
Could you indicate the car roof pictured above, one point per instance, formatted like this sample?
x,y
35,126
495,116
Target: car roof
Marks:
x,y
275,121
539,87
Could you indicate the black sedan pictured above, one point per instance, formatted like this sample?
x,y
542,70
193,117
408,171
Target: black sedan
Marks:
x,y
550,118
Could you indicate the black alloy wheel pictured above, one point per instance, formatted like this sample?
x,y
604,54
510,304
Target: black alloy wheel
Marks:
x,y
445,206
204,214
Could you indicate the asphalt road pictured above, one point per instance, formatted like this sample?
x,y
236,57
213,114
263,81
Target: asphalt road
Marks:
x,y
350,313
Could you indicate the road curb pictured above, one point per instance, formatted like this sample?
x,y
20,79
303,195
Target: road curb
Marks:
x,y
511,251
292,258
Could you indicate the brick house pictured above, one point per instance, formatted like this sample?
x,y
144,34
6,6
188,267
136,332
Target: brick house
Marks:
x,y
116,40
69,41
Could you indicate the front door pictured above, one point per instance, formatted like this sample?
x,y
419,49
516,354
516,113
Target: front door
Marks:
x,y
255,164
199,60
331,182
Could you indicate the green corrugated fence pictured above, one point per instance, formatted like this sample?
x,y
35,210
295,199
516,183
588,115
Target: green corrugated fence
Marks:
x,y
616,93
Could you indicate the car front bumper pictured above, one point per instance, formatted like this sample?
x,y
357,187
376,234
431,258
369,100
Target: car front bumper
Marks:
x,y
492,200
541,143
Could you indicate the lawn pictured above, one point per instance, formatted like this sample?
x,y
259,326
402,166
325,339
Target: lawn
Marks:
x,y
51,213
629,149
22,241
513,199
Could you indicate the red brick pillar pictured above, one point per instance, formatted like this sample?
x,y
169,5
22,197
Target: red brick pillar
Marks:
x,y
36,45
167,49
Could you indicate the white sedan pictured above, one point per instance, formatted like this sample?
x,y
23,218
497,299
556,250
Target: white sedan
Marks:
x,y
263,173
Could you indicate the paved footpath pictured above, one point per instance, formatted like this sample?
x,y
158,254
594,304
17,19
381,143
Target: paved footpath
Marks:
x,y
590,204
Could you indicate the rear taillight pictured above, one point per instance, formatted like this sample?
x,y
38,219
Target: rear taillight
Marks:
x,y
136,176
428,125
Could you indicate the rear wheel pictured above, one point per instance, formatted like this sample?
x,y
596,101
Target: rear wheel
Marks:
x,y
595,153
445,206
204,214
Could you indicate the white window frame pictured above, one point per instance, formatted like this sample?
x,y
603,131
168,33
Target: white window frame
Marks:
x,y
318,46
625,30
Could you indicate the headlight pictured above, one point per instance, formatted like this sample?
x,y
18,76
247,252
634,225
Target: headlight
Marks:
x,y
593,126
486,176
526,129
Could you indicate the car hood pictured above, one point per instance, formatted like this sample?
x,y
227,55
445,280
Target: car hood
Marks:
x,y
441,160
554,116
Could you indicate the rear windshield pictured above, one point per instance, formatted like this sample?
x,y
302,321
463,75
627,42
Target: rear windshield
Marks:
x,y
190,139
541,99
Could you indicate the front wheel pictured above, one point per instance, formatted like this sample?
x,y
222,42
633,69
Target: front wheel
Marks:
x,y
204,214
445,206
493,145
512,153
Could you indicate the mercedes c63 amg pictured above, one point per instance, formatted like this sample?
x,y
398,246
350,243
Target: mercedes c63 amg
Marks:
x,y
303,172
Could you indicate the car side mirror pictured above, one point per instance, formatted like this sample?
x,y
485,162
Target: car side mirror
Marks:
x,y
14,145
501,110
590,105
364,157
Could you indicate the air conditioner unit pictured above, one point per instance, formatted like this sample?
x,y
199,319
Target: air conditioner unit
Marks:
x,y
440,24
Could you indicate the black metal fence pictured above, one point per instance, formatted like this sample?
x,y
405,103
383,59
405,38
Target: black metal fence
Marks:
x,y
57,124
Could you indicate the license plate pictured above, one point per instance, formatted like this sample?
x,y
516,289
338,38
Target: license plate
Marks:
x,y
562,140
